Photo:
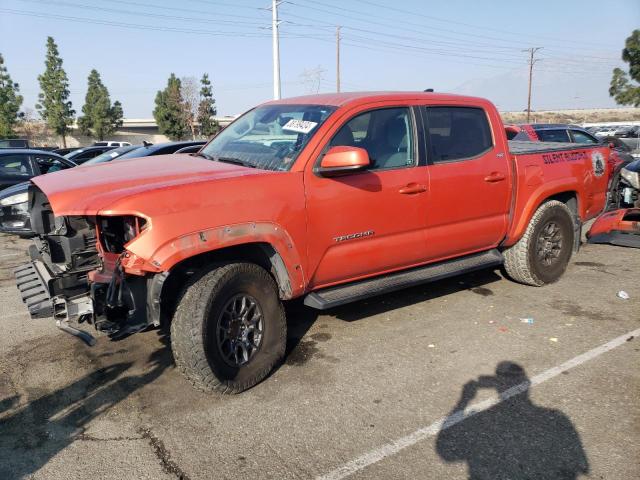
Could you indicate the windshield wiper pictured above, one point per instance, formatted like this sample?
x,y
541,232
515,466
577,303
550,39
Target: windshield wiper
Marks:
x,y
203,155
235,161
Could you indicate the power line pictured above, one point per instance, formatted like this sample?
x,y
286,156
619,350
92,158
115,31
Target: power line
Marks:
x,y
341,13
482,27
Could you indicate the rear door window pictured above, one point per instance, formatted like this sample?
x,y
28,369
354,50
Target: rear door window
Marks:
x,y
457,133
581,137
553,135
18,166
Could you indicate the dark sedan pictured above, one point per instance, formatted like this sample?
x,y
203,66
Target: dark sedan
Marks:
x,y
81,155
20,164
16,167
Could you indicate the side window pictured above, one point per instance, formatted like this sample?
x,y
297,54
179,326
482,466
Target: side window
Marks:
x,y
15,166
456,133
48,164
560,135
581,137
386,134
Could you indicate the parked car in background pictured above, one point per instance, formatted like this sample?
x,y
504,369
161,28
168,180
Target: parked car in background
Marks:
x,y
607,131
160,149
189,149
81,155
14,143
630,131
110,155
111,144
619,156
64,150
17,166
20,164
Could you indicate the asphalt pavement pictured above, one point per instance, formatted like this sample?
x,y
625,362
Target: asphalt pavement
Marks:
x,y
473,377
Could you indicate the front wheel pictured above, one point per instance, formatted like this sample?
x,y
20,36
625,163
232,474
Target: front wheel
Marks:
x,y
229,330
542,254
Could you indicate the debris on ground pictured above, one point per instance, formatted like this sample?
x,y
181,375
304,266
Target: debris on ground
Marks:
x,y
503,329
431,345
527,320
553,339
623,295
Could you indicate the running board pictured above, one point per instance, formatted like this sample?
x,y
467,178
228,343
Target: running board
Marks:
x,y
351,292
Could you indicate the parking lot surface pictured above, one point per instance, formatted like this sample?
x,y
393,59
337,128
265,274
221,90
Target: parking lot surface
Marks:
x,y
370,390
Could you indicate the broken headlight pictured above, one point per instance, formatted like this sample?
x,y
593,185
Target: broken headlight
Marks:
x,y
116,232
15,199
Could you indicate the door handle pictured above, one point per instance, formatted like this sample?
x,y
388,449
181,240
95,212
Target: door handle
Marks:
x,y
494,177
413,188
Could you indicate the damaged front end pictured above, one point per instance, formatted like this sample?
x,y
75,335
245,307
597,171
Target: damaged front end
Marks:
x,y
76,273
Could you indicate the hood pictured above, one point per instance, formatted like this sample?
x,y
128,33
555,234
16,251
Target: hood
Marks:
x,y
14,190
87,190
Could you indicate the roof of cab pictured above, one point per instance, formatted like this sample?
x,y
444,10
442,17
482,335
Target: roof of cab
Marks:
x,y
342,99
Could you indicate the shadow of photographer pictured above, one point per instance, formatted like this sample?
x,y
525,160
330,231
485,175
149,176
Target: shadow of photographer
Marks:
x,y
514,439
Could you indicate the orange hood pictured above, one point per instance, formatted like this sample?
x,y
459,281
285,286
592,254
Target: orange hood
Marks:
x,y
87,190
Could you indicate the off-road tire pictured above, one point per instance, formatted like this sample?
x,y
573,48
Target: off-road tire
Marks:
x,y
193,328
521,261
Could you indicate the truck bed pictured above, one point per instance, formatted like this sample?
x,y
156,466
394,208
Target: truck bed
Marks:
x,y
524,147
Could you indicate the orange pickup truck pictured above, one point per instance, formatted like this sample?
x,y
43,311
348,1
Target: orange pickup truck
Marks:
x,y
333,198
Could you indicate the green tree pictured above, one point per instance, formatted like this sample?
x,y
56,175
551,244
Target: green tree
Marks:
x,y
10,102
207,108
53,101
625,88
100,117
169,110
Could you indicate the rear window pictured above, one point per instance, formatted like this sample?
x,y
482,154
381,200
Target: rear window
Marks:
x,y
457,133
560,135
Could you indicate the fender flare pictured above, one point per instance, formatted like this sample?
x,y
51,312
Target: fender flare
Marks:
x,y
536,198
275,242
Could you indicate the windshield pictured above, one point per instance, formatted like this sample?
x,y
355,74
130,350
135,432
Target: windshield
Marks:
x,y
109,155
269,137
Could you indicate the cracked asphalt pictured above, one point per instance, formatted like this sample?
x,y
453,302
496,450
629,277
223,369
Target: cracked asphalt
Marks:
x,y
355,379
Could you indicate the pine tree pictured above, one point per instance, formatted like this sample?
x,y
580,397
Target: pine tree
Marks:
x,y
207,109
53,100
624,91
100,119
169,110
10,102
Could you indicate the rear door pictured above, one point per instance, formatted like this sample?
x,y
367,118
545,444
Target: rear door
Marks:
x,y
470,192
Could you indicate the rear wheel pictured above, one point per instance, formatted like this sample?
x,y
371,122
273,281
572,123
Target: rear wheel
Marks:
x,y
542,254
229,330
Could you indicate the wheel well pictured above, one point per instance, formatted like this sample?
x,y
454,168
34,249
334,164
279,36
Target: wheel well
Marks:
x,y
262,254
570,199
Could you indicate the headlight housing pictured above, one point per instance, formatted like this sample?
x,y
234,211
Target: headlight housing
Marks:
x,y
15,199
117,231
632,177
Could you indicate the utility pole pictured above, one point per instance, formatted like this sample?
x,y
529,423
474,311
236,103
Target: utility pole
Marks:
x,y
338,59
276,49
532,51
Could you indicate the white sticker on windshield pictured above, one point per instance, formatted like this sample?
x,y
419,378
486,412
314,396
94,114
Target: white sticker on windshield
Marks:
x,y
113,154
300,126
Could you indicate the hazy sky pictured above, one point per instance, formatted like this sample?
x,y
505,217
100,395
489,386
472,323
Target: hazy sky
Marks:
x,y
472,47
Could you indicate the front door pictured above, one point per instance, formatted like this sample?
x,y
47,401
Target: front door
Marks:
x,y
372,221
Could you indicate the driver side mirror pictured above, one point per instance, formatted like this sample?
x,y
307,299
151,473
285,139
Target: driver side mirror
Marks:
x,y
343,160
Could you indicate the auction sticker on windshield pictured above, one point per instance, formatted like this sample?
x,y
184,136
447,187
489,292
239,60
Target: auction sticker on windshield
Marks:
x,y
299,126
